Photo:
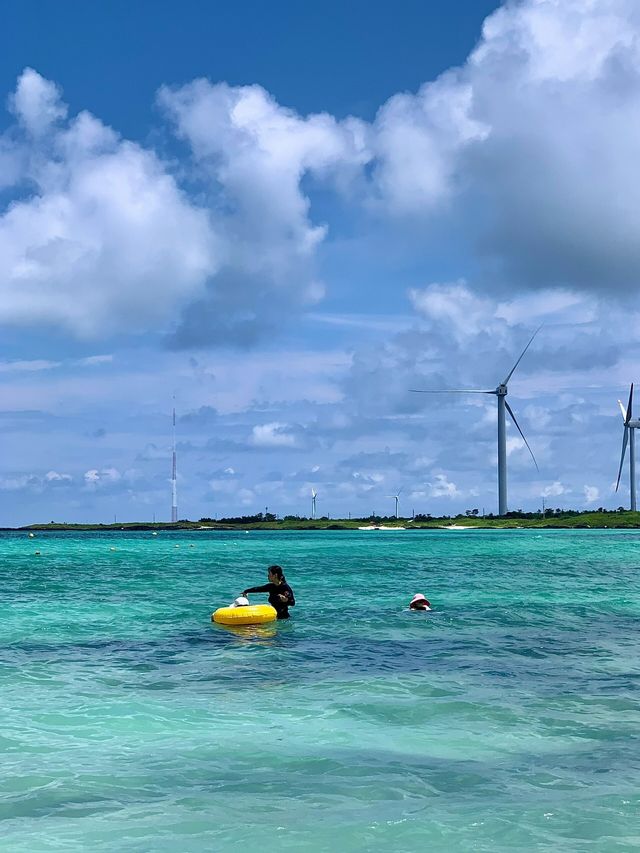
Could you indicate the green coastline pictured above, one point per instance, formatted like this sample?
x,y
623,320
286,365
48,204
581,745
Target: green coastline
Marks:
x,y
569,519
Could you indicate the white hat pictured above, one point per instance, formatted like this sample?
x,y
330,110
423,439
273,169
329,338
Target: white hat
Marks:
x,y
241,601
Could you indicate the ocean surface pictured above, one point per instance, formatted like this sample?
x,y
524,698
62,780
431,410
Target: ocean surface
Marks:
x,y
507,719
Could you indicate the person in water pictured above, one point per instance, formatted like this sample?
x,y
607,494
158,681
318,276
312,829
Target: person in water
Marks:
x,y
280,593
419,602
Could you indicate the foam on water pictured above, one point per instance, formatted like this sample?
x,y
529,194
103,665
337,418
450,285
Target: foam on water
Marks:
x,y
507,719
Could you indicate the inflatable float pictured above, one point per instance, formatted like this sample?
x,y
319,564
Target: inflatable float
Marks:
x,y
252,614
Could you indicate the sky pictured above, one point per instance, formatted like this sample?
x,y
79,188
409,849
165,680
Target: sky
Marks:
x,y
286,216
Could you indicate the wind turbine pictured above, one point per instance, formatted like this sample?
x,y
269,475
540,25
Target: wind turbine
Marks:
x,y
630,424
396,498
314,495
501,393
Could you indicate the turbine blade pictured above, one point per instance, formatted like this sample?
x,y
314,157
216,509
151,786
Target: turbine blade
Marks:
x,y
625,439
630,404
506,381
448,391
513,418
622,409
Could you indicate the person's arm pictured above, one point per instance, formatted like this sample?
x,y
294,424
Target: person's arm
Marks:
x,y
265,588
291,601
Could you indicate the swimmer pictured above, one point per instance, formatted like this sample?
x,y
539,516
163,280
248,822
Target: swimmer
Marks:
x,y
419,602
280,593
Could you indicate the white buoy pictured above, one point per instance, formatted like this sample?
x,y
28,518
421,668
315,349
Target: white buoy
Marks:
x,y
31,535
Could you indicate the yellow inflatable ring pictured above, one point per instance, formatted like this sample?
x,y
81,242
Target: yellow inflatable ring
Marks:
x,y
252,614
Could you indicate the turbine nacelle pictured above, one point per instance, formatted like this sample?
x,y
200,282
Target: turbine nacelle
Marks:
x,y
501,390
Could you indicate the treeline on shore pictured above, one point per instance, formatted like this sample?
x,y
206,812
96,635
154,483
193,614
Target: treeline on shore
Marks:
x,y
551,518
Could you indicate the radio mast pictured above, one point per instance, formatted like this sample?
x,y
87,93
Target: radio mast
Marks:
x,y
174,484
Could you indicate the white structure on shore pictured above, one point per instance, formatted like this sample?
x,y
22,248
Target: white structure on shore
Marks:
x,y
396,497
314,495
174,483
501,393
628,437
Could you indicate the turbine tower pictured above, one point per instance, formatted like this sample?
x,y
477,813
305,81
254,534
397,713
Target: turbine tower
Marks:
x,y
396,497
314,495
630,424
174,484
501,393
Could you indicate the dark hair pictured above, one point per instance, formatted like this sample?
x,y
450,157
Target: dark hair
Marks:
x,y
277,571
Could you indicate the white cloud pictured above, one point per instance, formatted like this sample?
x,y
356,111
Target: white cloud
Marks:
x,y
19,482
591,494
454,306
92,360
273,434
35,483
104,476
554,490
505,136
514,443
32,366
36,103
442,487
55,477
101,239
256,153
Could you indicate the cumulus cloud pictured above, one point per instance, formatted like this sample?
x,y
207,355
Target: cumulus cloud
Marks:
x,y
529,149
36,103
98,238
56,477
554,490
442,487
94,477
591,494
535,134
256,154
34,482
272,435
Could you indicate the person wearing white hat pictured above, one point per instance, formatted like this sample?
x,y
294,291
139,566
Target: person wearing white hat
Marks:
x,y
419,602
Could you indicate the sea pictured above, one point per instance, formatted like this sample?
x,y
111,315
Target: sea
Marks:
x,y
507,719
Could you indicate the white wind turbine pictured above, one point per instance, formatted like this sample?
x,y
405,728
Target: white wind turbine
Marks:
x,y
396,497
503,407
314,495
630,424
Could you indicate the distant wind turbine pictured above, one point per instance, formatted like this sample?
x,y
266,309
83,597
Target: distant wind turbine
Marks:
x,y
630,424
174,482
501,393
314,495
396,497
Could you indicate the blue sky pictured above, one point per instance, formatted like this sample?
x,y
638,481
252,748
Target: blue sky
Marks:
x,y
289,214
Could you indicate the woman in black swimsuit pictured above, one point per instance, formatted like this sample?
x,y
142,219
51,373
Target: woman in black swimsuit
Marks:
x,y
280,593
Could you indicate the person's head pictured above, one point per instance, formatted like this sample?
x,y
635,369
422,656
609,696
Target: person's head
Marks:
x,y
241,601
419,602
275,574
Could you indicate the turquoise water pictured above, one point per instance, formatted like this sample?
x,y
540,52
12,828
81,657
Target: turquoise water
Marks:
x,y
508,719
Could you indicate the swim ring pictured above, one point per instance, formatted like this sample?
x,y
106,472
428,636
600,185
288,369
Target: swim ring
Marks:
x,y
253,614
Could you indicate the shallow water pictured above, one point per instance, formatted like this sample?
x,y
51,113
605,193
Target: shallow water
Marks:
x,y
507,719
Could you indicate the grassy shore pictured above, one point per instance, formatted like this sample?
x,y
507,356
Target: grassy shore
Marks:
x,y
612,519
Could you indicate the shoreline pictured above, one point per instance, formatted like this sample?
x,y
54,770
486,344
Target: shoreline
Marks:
x,y
612,520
